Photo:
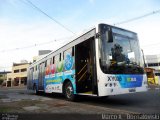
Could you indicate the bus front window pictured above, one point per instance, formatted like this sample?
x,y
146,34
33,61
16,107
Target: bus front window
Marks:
x,y
122,55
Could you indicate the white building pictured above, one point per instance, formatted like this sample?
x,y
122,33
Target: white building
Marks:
x,y
153,61
18,76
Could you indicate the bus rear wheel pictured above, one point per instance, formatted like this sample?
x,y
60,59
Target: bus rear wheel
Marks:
x,y
68,91
35,90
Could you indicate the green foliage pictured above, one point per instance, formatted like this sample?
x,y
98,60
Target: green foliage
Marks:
x,y
1,81
4,109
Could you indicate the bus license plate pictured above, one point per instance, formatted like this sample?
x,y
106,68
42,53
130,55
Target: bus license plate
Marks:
x,y
132,90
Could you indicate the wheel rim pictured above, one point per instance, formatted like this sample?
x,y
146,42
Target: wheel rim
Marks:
x,y
69,91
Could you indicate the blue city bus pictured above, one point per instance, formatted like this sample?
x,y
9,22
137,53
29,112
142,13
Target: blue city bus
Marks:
x,y
103,61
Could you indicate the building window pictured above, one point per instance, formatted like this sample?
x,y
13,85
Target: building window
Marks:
x,y
24,70
16,71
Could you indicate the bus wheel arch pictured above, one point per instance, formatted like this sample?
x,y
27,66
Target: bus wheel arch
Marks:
x,y
68,90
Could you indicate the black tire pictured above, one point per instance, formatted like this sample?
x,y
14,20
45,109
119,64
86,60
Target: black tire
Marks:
x,y
68,91
103,98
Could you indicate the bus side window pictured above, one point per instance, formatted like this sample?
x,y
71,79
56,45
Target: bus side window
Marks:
x,y
60,57
46,63
53,59
36,67
69,51
68,57
57,59
72,51
63,55
49,61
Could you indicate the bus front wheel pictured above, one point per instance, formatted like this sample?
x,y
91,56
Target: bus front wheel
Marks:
x,y
68,91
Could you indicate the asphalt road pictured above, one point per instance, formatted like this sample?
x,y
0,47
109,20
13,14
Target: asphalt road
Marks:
x,y
144,102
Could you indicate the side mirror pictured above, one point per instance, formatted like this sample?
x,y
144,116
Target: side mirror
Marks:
x,y
109,36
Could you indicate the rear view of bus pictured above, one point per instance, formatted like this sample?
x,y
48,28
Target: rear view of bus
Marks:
x,y
119,62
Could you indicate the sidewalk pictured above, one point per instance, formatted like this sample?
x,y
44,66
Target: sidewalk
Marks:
x,y
13,87
153,87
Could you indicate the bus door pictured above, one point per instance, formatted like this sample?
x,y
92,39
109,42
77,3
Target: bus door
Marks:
x,y
41,76
85,67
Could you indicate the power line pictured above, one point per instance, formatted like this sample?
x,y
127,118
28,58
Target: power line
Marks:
x,y
53,19
136,18
34,45
25,47
39,44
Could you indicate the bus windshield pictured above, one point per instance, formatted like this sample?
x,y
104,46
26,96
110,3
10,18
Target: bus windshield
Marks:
x,y
121,55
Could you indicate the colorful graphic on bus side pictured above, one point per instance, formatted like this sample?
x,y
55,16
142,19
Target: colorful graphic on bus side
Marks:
x,y
68,62
127,81
60,66
55,75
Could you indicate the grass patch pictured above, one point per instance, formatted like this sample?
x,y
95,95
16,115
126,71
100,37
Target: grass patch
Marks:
x,y
28,102
4,109
2,97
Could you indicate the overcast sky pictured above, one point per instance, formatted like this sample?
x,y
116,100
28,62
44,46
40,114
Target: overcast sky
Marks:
x,y
21,25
